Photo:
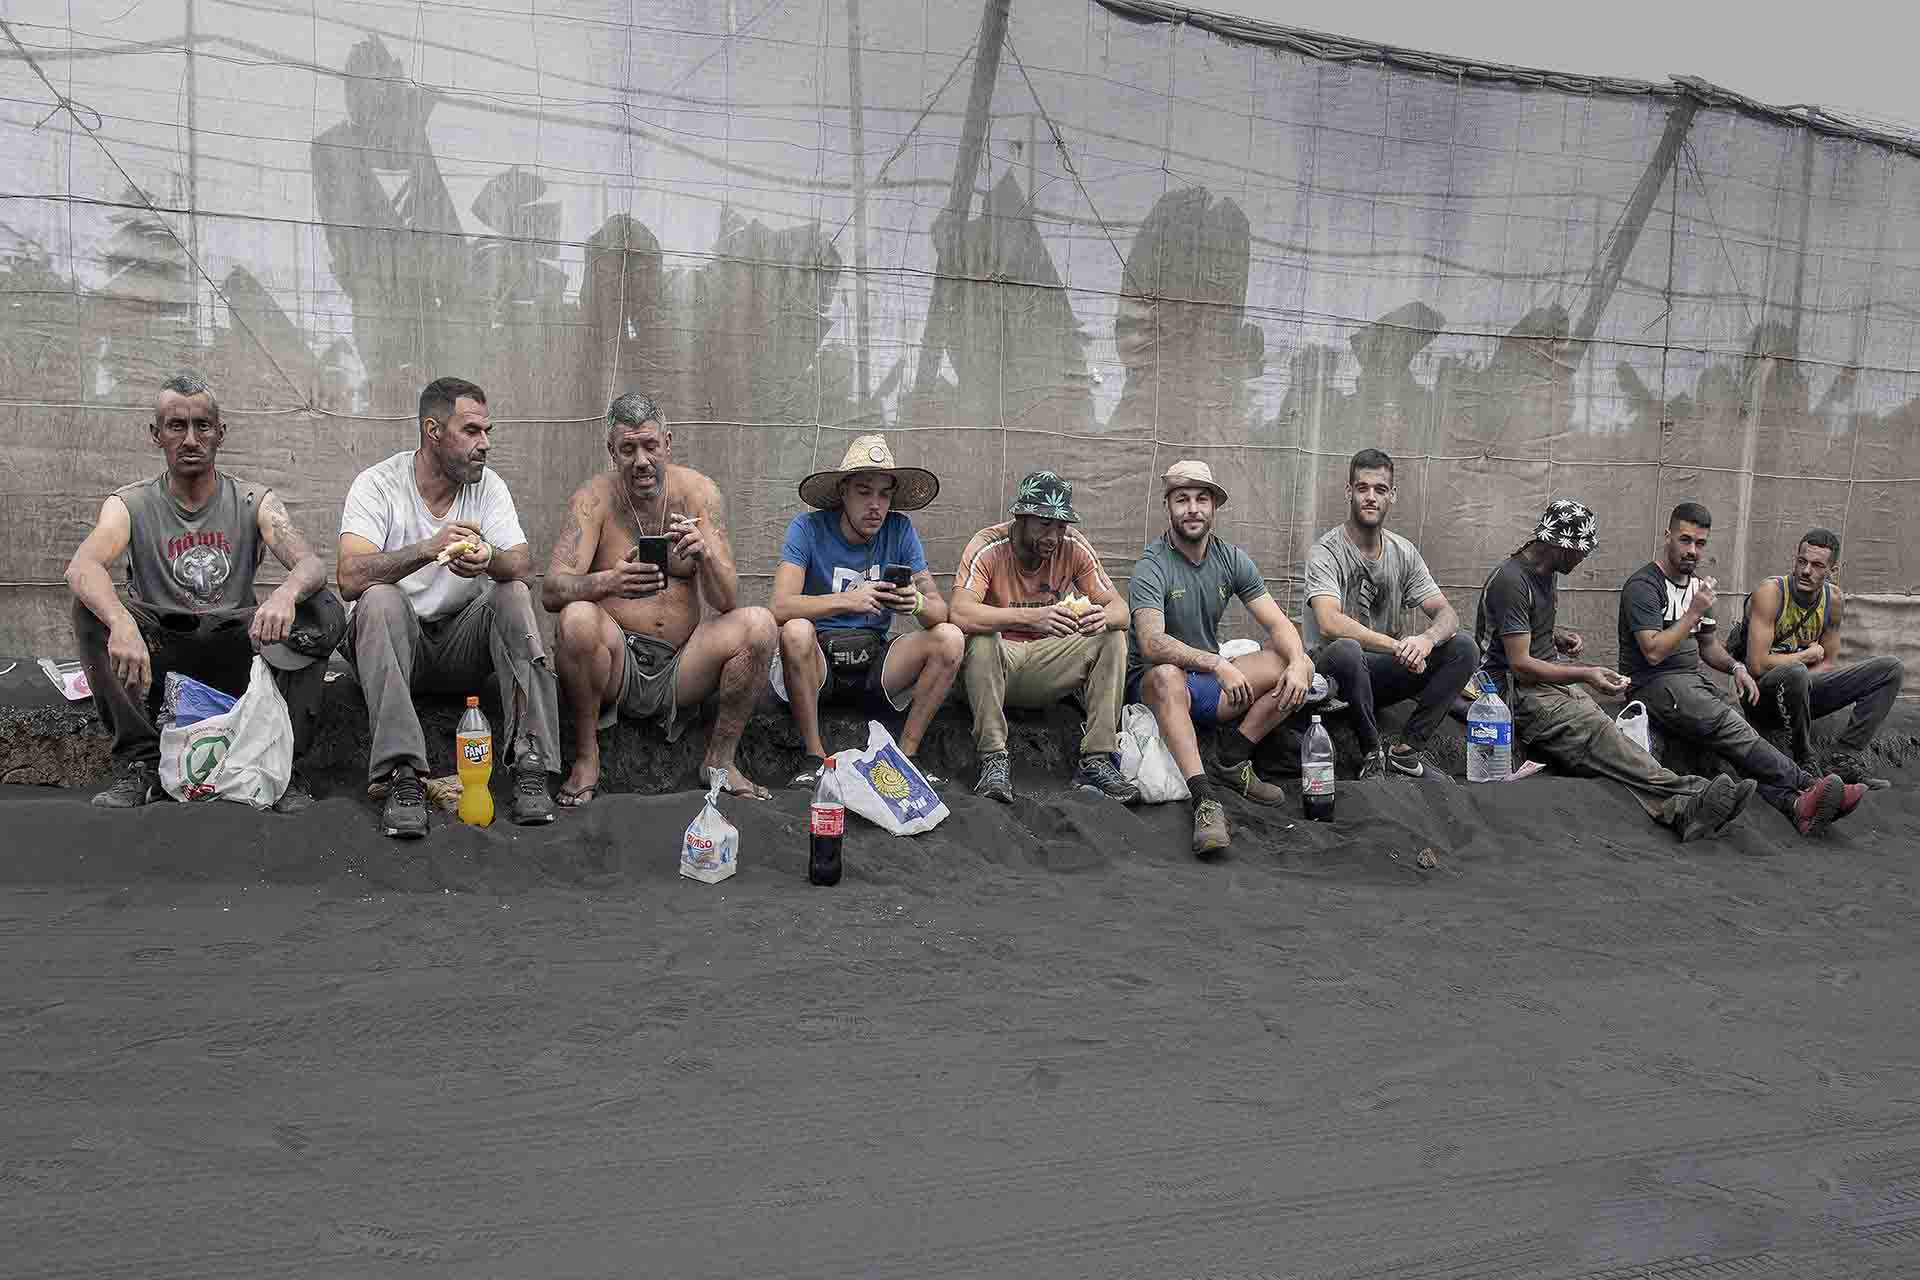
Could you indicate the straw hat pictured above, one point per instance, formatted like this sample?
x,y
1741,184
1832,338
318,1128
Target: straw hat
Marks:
x,y
914,487
1187,474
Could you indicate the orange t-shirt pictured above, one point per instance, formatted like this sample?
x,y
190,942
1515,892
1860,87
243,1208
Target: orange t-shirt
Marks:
x,y
991,570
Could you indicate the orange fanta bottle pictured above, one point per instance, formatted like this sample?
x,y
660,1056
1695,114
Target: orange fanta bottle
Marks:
x,y
473,757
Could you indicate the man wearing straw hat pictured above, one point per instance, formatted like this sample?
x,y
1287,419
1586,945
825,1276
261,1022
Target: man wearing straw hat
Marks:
x,y
1180,589
847,569
1043,622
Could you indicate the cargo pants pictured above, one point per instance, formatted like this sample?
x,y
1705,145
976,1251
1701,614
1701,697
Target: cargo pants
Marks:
x,y
1564,725
1038,673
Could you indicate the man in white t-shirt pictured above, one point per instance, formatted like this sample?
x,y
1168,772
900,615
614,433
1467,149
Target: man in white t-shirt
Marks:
x,y
434,559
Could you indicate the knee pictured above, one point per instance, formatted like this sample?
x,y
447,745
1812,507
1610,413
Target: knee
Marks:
x,y
982,647
761,631
579,628
1165,685
1459,651
949,645
379,605
1891,670
1794,674
1341,656
796,641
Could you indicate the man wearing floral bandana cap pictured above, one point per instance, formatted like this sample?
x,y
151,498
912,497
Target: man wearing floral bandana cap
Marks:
x,y
1552,711
1043,622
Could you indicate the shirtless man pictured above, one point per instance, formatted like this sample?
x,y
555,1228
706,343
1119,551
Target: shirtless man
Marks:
x,y
632,638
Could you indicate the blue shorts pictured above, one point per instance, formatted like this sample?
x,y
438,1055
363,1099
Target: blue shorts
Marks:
x,y
1203,692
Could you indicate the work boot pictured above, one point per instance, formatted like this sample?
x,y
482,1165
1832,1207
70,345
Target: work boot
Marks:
x,y
1209,828
135,783
1374,766
405,815
1716,807
1096,773
996,777
1815,808
1854,770
1242,780
531,803
297,797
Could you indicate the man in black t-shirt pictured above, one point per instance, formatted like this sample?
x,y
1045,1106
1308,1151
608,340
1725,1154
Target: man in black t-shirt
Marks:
x,y
1552,712
1666,632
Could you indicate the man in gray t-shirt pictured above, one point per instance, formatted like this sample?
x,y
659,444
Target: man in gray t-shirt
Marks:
x,y
1360,579
193,537
1179,591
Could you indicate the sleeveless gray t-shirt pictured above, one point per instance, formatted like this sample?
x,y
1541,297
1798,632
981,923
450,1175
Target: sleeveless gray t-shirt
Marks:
x,y
196,561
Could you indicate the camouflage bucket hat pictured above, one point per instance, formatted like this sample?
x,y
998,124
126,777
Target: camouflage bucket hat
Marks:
x,y
1046,495
1569,524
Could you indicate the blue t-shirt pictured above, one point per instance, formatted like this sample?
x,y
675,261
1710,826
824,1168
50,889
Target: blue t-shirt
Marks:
x,y
833,564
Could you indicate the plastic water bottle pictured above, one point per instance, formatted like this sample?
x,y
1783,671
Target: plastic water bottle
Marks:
x,y
826,828
1316,773
1489,734
473,757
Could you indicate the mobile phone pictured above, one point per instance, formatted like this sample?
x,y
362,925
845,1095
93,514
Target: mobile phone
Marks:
x,y
652,549
900,575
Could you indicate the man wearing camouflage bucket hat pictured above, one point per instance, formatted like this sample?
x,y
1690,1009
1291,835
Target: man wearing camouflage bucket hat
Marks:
x,y
1043,623
1552,711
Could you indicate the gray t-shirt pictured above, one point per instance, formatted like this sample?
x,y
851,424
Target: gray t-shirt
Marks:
x,y
193,561
1651,601
1374,593
1191,597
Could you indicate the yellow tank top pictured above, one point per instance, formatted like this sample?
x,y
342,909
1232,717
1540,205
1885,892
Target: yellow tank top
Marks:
x,y
1800,625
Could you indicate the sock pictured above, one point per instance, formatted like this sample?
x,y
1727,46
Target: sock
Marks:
x,y
1235,747
1201,788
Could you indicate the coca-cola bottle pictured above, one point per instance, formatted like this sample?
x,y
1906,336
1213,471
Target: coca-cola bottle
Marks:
x,y
826,828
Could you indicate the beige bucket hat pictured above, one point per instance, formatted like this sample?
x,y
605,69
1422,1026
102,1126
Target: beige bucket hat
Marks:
x,y
1186,474
914,487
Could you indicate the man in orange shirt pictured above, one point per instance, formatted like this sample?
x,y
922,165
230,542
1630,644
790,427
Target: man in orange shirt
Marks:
x,y
1043,622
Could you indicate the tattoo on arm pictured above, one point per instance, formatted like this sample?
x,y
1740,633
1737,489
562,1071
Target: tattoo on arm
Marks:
x,y
1150,627
290,547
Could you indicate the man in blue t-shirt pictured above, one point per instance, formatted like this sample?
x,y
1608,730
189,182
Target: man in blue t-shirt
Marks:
x,y
846,570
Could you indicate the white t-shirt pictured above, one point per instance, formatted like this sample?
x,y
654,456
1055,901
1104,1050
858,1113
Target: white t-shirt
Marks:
x,y
384,506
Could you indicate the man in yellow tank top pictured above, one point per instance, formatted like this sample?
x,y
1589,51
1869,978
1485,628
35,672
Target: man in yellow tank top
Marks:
x,y
1792,646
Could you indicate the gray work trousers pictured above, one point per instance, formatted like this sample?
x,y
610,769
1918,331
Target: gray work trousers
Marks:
x,y
1793,696
1563,724
1689,706
395,654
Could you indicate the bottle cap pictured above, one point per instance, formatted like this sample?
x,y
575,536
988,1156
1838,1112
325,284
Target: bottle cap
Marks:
x,y
473,700
827,763
1316,719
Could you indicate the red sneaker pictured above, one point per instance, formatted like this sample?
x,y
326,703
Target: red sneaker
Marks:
x,y
1851,794
1819,805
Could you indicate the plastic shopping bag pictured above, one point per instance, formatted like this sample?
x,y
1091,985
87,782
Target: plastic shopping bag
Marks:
x,y
1145,760
244,754
883,786
186,701
1632,722
711,851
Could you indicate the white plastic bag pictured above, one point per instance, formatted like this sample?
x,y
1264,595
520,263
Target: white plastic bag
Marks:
x,y
883,786
244,755
711,851
1632,722
1145,759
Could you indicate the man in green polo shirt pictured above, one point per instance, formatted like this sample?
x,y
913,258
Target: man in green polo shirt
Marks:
x,y
1179,591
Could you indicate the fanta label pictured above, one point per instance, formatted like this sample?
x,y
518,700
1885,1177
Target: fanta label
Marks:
x,y
476,750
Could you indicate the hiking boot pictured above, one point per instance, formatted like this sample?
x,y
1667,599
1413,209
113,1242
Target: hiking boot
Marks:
x,y
1855,771
1815,808
996,777
809,777
1716,807
1411,763
1374,766
1209,828
1096,773
297,797
405,816
135,783
531,803
1242,780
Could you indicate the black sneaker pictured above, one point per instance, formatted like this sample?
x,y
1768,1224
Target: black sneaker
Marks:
x,y
531,803
809,777
405,817
1096,773
996,777
296,797
1411,763
135,783
1855,771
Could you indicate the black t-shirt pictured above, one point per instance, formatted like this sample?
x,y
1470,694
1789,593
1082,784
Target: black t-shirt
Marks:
x,y
1517,601
1651,601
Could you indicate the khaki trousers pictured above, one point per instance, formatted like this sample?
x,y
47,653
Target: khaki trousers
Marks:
x,y
1563,724
1038,673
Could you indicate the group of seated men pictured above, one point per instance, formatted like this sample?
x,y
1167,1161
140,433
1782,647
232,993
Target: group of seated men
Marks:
x,y
642,579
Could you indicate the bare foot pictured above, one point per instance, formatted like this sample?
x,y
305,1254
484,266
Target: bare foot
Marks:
x,y
739,784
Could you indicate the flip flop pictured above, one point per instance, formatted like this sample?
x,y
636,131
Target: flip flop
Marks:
x,y
576,799
757,792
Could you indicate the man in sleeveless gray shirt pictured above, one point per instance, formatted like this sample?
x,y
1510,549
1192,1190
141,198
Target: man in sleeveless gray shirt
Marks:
x,y
193,536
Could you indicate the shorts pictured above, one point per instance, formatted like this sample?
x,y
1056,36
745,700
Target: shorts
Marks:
x,y
870,687
1203,694
649,667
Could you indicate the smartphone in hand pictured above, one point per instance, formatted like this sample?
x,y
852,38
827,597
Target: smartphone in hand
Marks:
x,y
652,549
900,575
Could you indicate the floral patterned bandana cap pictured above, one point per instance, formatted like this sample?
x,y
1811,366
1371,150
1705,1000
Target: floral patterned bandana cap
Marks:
x,y
1569,524
1046,495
